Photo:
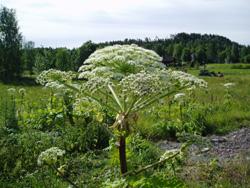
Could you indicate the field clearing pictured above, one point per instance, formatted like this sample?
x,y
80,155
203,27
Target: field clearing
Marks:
x,y
217,110
221,123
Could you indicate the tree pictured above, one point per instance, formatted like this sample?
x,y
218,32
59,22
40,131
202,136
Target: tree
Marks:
x,y
84,52
211,53
28,56
130,78
186,55
170,49
235,53
246,59
177,51
243,53
201,56
10,45
44,60
63,59
222,56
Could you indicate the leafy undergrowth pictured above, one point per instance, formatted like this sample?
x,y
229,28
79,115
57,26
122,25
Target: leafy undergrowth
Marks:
x,y
31,123
228,174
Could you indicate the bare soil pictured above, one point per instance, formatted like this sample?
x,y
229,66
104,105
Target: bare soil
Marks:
x,y
221,147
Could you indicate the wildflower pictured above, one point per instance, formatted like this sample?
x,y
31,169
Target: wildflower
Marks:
x,y
22,91
11,90
53,75
140,84
54,85
186,79
50,156
192,88
228,85
179,96
123,59
134,74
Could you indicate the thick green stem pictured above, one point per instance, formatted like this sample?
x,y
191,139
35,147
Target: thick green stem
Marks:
x,y
122,154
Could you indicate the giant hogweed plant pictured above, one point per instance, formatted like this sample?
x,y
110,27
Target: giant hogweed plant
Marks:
x,y
124,79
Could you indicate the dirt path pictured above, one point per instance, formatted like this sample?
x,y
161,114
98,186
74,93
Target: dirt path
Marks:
x,y
221,147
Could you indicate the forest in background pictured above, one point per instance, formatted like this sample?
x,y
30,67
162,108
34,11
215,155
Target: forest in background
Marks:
x,y
182,47
19,56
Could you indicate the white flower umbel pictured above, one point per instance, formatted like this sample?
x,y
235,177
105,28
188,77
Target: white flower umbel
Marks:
x,y
186,79
50,156
128,77
179,96
22,91
229,85
122,59
55,76
11,90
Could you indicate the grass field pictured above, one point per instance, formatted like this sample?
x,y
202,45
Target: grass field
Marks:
x,y
216,110
221,122
239,115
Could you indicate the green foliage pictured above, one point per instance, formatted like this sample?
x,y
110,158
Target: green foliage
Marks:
x,y
9,112
44,60
201,56
177,51
38,128
84,52
141,152
186,55
10,45
219,174
63,60
240,66
246,59
28,56
157,180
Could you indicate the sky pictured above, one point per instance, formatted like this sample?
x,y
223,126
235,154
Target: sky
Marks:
x,y
70,23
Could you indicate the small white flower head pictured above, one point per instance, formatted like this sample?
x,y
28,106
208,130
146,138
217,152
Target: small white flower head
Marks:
x,y
140,84
50,156
85,107
22,91
186,79
11,90
229,85
53,75
94,84
54,85
192,88
179,96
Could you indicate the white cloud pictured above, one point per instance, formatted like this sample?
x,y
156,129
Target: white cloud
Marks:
x,y
70,23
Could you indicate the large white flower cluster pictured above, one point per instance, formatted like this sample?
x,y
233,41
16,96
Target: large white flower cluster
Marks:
x,y
133,69
159,81
140,84
123,74
55,78
50,156
229,85
95,84
186,79
54,75
118,61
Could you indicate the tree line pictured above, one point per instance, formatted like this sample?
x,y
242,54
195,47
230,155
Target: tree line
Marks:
x,y
17,56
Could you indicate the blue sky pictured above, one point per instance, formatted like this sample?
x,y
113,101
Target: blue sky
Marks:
x,y
67,23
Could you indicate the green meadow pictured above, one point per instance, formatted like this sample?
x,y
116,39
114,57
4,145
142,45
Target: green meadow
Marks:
x,y
34,121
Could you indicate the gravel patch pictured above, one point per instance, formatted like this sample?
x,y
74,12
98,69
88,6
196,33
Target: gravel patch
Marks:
x,y
221,147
